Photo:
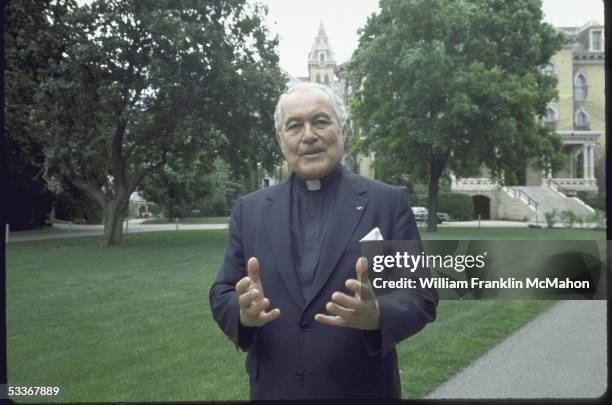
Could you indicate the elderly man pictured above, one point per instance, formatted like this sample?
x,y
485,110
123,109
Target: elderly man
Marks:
x,y
292,291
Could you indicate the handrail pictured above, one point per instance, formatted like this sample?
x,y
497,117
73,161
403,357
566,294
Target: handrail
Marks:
x,y
517,193
530,201
558,186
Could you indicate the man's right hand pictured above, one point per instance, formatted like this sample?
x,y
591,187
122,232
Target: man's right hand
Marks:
x,y
253,303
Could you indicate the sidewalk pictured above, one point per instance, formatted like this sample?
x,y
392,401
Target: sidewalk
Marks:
x,y
64,230
562,353
68,231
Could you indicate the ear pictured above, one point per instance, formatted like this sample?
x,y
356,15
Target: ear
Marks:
x,y
344,132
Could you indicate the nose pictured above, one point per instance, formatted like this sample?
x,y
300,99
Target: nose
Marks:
x,y
309,135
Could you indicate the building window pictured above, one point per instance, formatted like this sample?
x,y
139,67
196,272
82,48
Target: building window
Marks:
x,y
597,40
581,119
550,69
318,79
326,79
322,56
580,86
550,118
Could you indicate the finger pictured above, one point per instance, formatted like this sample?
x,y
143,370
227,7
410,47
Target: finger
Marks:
x,y
245,299
243,285
347,301
361,267
269,316
341,311
330,320
256,307
362,291
253,269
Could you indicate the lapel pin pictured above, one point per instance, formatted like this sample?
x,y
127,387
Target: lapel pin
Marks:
x,y
359,207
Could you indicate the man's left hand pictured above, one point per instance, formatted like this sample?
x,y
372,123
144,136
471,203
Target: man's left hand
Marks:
x,y
359,312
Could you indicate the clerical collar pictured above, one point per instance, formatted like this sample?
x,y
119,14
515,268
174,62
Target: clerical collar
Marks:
x,y
321,183
313,184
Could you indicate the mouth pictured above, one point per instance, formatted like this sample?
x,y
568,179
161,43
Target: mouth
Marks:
x,y
311,152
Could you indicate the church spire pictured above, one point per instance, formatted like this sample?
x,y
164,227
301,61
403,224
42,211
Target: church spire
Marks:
x,y
321,60
321,51
321,30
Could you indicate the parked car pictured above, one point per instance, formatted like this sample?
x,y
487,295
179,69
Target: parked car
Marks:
x,y
420,214
442,217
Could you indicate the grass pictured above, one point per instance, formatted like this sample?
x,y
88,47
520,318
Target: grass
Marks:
x,y
187,220
133,323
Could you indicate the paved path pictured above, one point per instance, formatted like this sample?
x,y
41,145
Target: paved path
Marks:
x,y
560,354
66,231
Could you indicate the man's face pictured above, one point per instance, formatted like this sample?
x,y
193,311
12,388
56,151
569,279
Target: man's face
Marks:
x,y
309,139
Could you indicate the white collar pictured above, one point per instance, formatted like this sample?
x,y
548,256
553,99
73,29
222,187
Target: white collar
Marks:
x,y
312,185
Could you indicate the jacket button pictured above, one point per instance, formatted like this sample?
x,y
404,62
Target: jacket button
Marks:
x,y
300,375
305,326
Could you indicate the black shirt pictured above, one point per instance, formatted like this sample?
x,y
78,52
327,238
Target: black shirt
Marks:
x,y
310,212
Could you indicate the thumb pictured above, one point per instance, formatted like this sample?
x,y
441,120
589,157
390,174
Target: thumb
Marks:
x,y
253,269
361,268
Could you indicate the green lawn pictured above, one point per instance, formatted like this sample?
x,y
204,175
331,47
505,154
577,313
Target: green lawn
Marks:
x,y
133,323
188,220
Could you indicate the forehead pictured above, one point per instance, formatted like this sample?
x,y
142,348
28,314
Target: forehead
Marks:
x,y
305,102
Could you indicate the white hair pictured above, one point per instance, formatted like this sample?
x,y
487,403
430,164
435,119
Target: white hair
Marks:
x,y
336,103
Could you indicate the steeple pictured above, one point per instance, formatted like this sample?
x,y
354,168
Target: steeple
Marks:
x,y
321,52
321,59
321,30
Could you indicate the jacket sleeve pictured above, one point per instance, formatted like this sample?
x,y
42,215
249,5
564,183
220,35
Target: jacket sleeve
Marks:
x,y
403,312
222,295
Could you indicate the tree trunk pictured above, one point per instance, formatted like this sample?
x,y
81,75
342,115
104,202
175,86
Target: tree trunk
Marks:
x,y
114,213
432,221
436,167
170,209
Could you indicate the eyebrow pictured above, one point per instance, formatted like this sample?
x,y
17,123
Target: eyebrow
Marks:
x,y
291,120
322,115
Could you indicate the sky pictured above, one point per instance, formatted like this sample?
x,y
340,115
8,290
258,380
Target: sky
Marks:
x,y
297,23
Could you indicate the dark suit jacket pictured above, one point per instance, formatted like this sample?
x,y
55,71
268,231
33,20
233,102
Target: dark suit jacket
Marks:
x,y
294,356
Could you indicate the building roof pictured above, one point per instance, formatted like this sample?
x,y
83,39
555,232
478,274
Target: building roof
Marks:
x,y
579,41
321,44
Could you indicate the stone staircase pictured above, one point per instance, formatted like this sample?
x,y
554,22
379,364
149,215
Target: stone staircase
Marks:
x,y
548,199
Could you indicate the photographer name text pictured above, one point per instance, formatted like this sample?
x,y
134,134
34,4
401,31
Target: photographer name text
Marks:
x,y
477,283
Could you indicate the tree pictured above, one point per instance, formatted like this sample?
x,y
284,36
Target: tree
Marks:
x,y
30,42
455,85
175,186
140,86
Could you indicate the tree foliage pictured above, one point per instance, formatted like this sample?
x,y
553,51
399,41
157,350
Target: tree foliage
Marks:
x,y
138,86
455,85
175,186
31,41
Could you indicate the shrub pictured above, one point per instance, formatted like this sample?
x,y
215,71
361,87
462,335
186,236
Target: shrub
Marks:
x,y
597,201
568,217
458,206
551,218
598,218
417,194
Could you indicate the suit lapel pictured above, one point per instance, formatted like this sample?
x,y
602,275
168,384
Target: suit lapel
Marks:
x,y
276,219
344,218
